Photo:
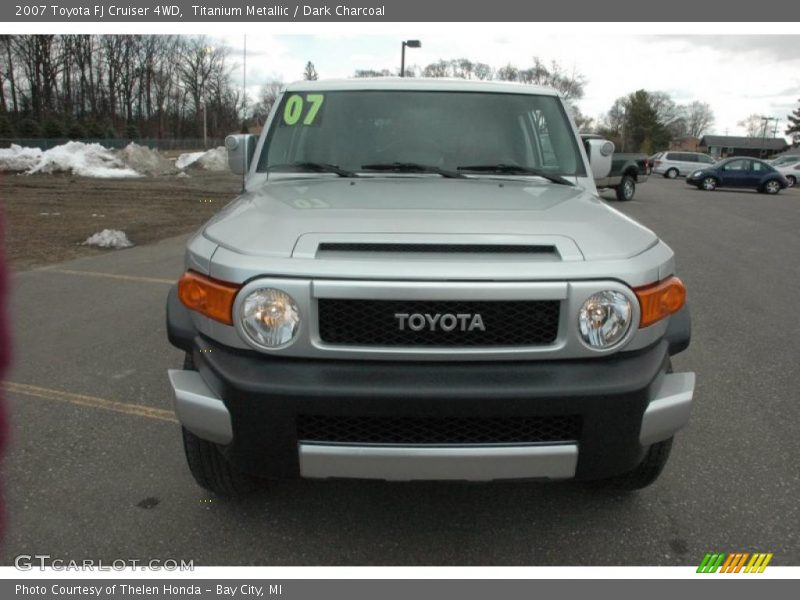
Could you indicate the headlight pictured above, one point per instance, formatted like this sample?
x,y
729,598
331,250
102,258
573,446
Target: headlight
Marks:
x,y
270,317
604,319
697,174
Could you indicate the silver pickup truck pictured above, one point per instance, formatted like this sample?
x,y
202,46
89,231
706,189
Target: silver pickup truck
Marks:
x,y
419,282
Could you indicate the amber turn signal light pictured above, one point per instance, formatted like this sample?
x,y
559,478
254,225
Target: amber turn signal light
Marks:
x,y
660,300
209,297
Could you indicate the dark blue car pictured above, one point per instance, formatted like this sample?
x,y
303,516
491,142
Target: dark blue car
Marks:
x,y
739,172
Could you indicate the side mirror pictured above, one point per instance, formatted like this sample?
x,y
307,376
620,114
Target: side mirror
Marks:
x,y
599,151
241,148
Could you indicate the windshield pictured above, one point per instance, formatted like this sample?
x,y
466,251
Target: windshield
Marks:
x,y
430,131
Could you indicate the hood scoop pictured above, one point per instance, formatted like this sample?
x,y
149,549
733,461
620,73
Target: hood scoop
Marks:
x,y
389,247
363,249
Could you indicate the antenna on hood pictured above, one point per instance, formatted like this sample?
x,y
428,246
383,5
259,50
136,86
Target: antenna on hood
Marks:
x,y
246,140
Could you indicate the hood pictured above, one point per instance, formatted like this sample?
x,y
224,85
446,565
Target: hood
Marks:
x,y
270,220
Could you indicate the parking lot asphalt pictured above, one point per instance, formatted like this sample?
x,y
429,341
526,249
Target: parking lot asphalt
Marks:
x,y
95,468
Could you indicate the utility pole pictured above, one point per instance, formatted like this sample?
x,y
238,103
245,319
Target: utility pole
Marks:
x,y
766,121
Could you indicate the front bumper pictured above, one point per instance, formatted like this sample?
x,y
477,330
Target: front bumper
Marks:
x,y
250,405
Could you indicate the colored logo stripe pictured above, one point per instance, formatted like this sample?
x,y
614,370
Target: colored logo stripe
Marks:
x,y
734,562
758,563
711,562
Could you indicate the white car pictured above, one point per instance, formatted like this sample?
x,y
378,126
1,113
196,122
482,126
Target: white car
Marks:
x,y
790,170
671,164
784,160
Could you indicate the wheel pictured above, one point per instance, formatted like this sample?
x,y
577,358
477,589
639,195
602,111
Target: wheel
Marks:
x,y
671,173
645,473
773,186
210,469
626,189
709,184
792,180
208,466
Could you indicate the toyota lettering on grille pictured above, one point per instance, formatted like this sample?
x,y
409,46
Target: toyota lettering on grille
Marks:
x,y
440,322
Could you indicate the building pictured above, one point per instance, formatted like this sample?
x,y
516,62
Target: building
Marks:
x,y
686,143
722,146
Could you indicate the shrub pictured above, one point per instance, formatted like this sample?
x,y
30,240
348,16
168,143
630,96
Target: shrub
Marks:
x,y
94,129
53,129
76,131
109,132
6,128
29,128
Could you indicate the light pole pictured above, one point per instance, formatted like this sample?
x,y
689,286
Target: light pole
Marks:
x,y
409,44
766,121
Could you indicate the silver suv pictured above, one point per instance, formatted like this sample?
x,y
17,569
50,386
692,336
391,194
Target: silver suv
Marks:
x,y
419,281
672,164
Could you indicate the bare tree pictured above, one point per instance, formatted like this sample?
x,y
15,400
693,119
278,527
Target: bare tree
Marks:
x,y
699,117
310,72
363,73
752,124
793,126
508,73
570,84
482,71
437,69
266,100
582,122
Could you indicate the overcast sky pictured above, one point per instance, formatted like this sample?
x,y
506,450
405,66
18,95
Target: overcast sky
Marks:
x,y
737,75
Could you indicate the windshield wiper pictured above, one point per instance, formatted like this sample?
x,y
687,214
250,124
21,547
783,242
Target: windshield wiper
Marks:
x,y
317,167
410,167
516,169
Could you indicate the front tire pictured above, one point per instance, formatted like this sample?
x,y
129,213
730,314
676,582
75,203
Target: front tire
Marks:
x,y
645,473
208,466
772,187
626,189
211,470
671,173
708,184
792,180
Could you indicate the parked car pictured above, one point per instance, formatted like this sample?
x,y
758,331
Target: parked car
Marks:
x,y
398,296
790,170
627,170
673,164
784,160
739,172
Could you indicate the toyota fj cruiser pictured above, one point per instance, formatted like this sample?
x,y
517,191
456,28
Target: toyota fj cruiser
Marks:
x,y
419,281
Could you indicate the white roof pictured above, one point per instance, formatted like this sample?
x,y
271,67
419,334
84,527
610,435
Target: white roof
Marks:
x,y
418,83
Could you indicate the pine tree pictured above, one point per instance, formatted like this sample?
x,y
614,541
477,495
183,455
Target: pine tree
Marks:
x,y
310,73
794,126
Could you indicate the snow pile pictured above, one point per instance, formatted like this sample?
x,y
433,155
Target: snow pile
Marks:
x,y
87,160
109,238
145,160
95,160
215,159
184,160
17,158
